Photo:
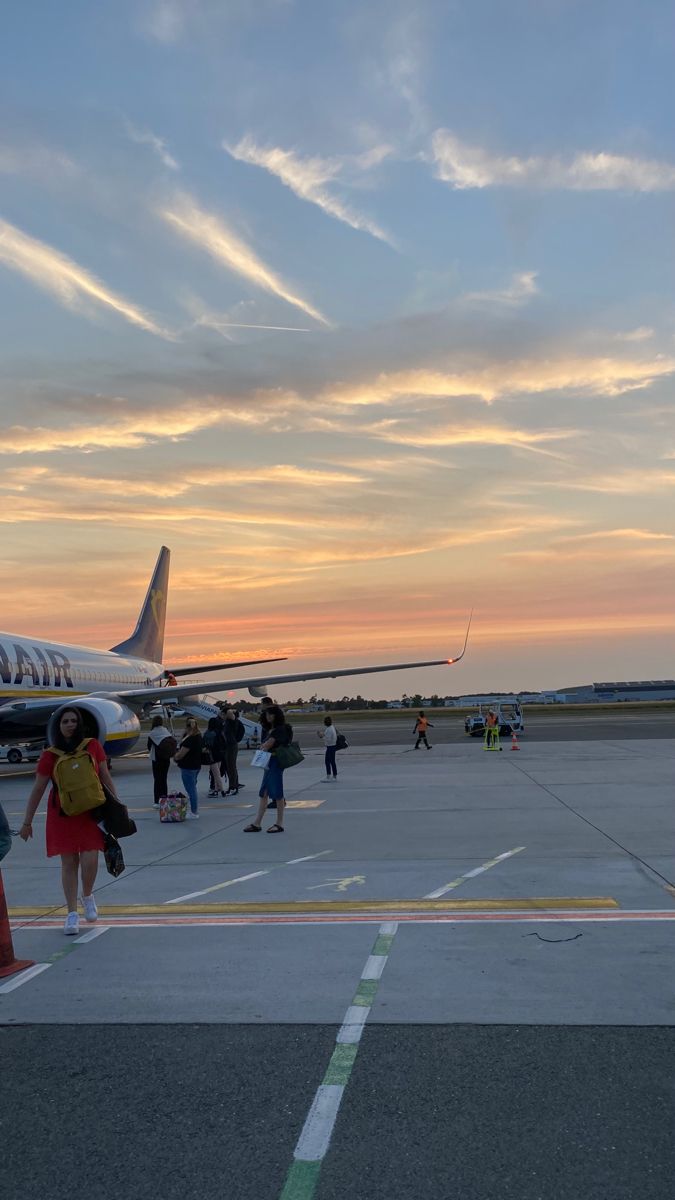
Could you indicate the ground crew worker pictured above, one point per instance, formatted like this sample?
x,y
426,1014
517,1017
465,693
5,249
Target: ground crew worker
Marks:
x,y
492,731
421,726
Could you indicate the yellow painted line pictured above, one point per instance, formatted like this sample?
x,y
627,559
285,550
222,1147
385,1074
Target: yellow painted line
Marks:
x,y
526,904
304,803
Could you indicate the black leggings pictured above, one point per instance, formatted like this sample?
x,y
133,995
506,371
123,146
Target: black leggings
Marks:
x,y
160,774
330,760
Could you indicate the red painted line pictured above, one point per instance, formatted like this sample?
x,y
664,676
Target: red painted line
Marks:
x,y
361,918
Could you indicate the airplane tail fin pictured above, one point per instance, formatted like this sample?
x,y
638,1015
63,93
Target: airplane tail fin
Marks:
x,y
147,640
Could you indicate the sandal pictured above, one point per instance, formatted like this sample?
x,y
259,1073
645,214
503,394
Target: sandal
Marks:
x,y
276,829
252,829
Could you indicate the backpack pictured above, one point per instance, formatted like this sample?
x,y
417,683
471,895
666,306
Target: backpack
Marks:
x,y
77,782
166,749
239,729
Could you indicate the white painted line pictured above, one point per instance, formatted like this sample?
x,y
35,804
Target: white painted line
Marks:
x,y
316,1132
29,973
349,1034
291,861
448,887
374,966
217,887
389,928
357,1014
91,934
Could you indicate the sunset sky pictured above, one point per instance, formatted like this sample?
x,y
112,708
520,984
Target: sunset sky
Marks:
x,y
365,310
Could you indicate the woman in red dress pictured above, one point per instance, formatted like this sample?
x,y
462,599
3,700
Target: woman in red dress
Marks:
x,y
76,839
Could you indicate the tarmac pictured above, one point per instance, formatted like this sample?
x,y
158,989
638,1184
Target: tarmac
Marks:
x,y
452,976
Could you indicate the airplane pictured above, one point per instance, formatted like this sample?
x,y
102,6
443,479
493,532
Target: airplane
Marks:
x,y
115,689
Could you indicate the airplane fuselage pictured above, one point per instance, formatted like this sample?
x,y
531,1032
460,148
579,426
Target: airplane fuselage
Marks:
x,y
33,669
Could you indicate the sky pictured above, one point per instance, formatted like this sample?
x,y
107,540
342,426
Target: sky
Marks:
x,y
365,310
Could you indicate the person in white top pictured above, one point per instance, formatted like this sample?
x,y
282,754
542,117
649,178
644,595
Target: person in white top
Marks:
x,y
329,735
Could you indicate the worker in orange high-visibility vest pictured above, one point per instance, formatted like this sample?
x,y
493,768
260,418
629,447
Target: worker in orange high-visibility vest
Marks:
x,y
421,725
492,731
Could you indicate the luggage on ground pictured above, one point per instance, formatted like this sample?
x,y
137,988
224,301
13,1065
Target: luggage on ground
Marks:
x,y
173,807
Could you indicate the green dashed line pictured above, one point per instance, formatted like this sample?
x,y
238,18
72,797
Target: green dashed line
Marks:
x,y
301,1181
382,945
341,1063
53,958
365,992
303,1175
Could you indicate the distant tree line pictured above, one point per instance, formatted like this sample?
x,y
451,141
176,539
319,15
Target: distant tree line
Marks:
x,y
348,703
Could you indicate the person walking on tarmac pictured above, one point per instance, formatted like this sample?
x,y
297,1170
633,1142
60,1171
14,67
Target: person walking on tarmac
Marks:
x,y
492,731
421,725
76,839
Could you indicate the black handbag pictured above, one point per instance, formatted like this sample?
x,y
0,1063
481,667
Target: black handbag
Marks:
x,y
114,816
288,756
112,852
341,743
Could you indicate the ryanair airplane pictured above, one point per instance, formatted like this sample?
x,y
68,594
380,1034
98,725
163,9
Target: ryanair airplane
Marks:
x,y
116,688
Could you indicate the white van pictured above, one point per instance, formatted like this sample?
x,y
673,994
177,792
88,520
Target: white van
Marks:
x,y
18,754
509,714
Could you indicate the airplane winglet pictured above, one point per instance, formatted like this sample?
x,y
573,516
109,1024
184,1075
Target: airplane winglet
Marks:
x,y
466,641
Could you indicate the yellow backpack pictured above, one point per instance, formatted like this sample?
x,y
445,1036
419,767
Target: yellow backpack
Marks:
x,y
77,783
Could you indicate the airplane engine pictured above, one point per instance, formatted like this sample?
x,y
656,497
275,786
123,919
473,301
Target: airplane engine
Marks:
x,y
115,726
258,691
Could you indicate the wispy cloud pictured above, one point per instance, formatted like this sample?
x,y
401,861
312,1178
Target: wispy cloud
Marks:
x,y
128,430
158,145
292,479
35,162
642,334
521,289
467,166
211,234
72,285
599,376
470,435
164,20
307,178
630,535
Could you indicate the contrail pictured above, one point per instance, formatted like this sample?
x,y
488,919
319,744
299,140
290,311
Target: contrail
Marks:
x,y
240,325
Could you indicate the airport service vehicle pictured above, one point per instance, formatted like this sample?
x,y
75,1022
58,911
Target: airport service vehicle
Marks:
x,y
18,754
115,689
509,713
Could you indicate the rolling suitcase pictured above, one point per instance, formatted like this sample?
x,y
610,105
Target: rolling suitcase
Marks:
x,y
173,807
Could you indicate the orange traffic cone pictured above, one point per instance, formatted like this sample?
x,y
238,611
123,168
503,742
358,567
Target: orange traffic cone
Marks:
x,y
514,740
9,965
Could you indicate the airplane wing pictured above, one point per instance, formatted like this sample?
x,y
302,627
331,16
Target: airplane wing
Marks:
x,y
150,695
196,669
36,712
33,713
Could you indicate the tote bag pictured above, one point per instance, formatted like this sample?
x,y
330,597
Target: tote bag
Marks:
x,y
261,758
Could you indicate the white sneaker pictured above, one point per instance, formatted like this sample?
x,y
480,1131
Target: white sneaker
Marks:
x,y
72,925
90,909
192,816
